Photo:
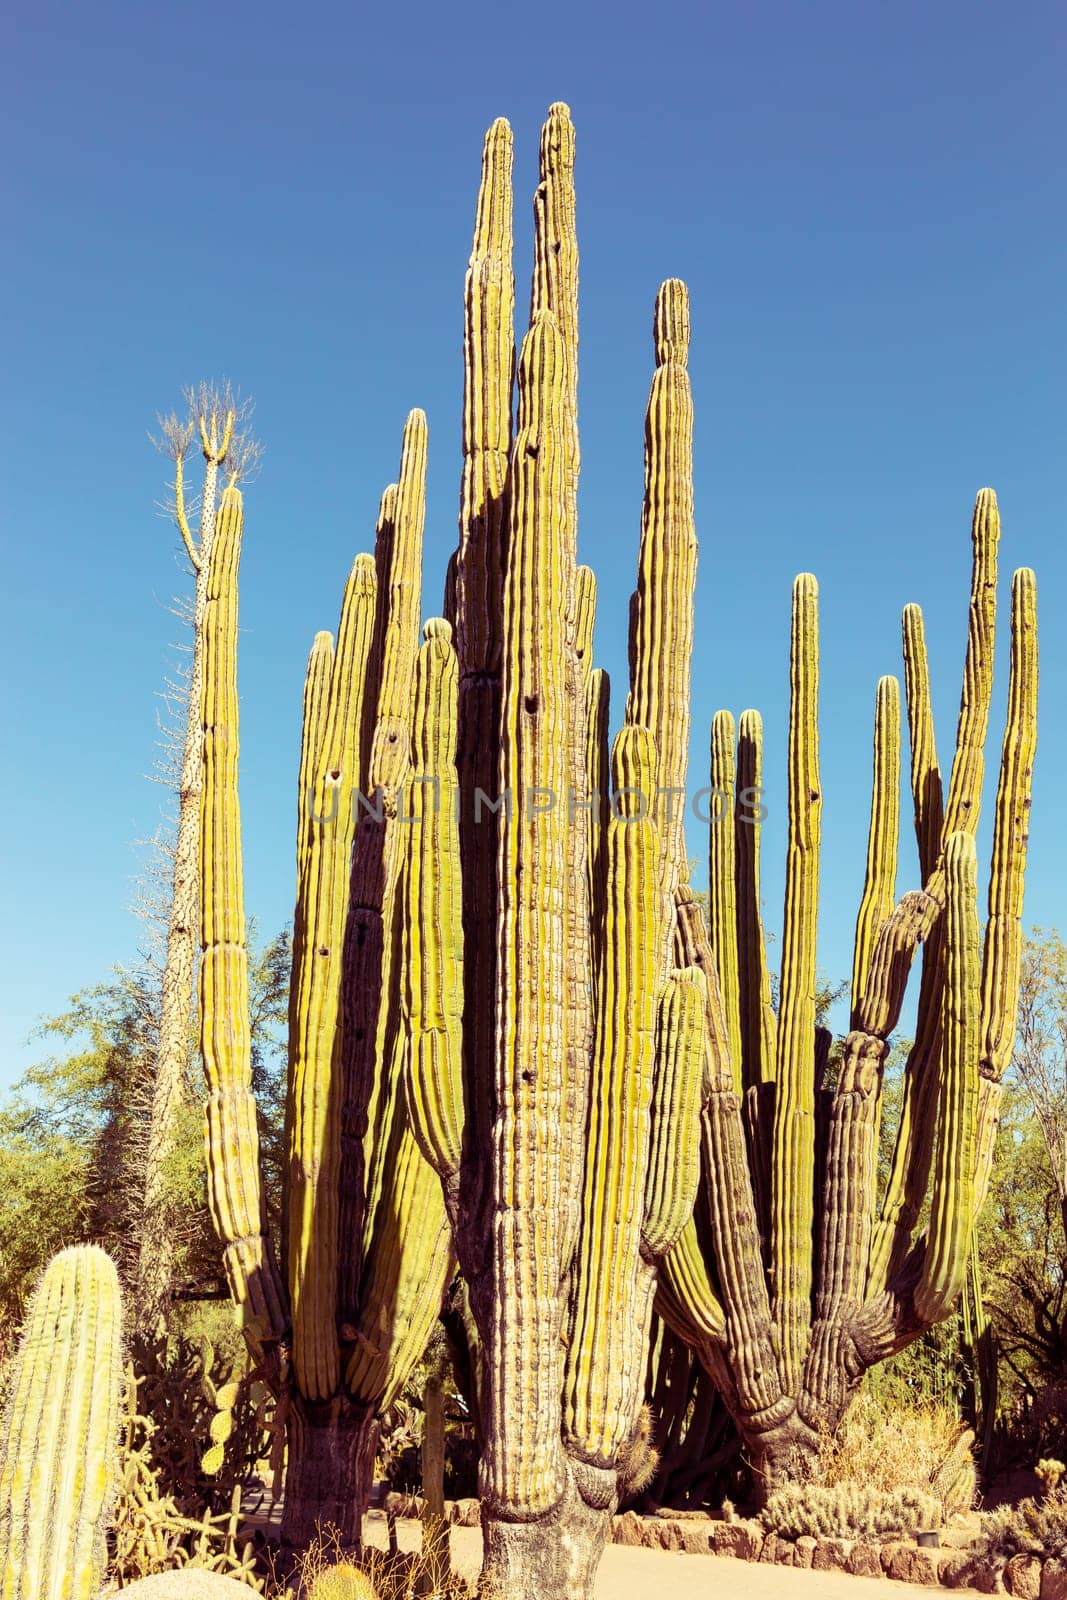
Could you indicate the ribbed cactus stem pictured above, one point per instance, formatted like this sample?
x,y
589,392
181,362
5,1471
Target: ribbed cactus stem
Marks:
x,y
1002,954
234,1193
661,639
59,1449
793,1154
673,1176
909,1171
952,1197
333,780
722,882
605,1369
925,771
522,1466
433,972
879,886
757,1020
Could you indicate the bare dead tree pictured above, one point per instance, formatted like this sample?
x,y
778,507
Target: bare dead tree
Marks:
x,y
216,419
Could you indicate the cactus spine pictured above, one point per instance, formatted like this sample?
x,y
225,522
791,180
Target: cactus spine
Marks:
x,y
60,1434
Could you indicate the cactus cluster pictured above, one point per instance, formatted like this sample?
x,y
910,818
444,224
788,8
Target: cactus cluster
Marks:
x,y
59,1446
848,1511
514,1033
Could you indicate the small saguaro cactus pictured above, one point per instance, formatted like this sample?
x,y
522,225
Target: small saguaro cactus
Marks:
x,y
60,1432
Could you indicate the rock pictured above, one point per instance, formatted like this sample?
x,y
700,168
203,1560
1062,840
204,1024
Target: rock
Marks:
x,y
785,1553
1054,1580
188,1584
805,1550
984,1573
954,1568
650,1533
743,1539
467,1513
831,1555
695,1539
628,1529
769,1548
670,1536
864,1560
402,1505
1022,1577
908,1563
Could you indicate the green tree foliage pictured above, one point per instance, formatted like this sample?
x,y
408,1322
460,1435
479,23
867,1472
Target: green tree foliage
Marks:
x,y
72,1130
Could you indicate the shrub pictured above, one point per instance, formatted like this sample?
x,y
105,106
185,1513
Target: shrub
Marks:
x,y
1031,1528
890,1447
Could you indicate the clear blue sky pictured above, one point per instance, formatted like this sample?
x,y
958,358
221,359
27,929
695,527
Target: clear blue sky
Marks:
x,y
865,199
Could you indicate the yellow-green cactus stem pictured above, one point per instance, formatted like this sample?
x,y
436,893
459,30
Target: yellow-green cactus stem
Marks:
x,y
952,1198
722,883
522,1465
793,1155
232,1134
673,1175
1002,953
879,887
342,1582
333,779
757,1020
433,971
59,1450
605,1366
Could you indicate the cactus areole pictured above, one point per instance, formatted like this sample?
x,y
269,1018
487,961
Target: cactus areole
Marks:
x,y
517,1042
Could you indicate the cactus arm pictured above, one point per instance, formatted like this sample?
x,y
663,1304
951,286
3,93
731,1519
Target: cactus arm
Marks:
x,y
407,1268
522,1465
722,884
373,1041
673,1177
952,1198
232,1135
793,1150
850,1188
613,1286
685,1298
598,711
554,290
913,1149
489,377
733,1224
332,780
1002,953
433,972
662,608
879,887
312,726
757,1018
926,793
58,1447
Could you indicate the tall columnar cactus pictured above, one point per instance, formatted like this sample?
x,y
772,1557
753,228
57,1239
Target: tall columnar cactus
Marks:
x,y
367,1247
848,1279
58,1449
511,1022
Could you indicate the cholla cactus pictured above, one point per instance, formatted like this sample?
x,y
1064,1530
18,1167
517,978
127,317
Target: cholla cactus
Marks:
x,y
1048,1473
60,1434
849,1511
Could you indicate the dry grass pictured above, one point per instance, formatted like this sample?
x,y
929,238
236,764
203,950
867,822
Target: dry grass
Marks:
x,y
922,1447
395,1576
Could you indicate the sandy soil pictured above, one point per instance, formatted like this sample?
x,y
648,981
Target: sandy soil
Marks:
x,y
627,1574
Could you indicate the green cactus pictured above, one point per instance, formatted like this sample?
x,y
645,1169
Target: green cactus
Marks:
x,y
342,1582
512,1031
59,1452
367,1248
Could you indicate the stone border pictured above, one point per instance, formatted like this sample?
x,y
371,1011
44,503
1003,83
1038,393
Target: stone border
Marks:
x,y
745,1539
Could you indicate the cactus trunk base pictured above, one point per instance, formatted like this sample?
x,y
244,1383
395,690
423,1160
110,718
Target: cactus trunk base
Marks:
x,y
785,1454
329,1472
554,1558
